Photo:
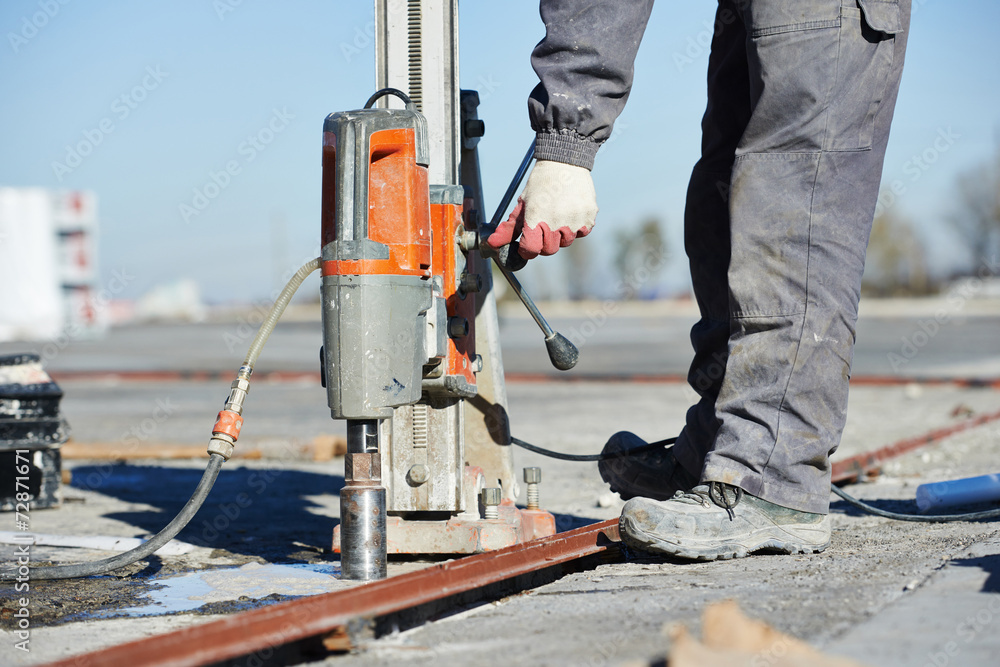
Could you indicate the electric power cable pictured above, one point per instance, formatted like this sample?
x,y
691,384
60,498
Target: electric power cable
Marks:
x,y
929,518
871,509
590,457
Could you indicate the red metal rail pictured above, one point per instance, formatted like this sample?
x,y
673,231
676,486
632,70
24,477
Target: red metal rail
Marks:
x,y
260,630
856,467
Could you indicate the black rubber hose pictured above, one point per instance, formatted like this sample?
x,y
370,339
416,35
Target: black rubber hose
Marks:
x,y
926,518
590,457
871,509
106,565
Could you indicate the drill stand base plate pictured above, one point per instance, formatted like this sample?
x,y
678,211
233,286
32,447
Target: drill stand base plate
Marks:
x,y
462,534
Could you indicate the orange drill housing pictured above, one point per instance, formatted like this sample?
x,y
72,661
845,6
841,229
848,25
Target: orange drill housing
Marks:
x,y
447,223
398,208
398,325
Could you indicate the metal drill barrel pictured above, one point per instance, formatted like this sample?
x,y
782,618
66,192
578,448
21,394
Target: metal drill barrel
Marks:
x,y
362,533
362,505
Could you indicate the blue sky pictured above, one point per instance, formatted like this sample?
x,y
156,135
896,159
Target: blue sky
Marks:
x,y
169,93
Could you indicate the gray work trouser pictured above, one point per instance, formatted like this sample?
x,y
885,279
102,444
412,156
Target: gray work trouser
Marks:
x,y
779,209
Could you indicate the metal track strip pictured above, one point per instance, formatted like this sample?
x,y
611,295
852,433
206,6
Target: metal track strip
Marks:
x,y
261,630
855,468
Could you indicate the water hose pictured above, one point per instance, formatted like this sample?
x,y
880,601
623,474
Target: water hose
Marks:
x,y
267,326
220,448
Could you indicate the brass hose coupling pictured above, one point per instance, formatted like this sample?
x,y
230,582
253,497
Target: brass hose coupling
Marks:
x,y
227,427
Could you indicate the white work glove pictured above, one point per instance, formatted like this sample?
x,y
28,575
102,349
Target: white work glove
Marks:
x,y
557,206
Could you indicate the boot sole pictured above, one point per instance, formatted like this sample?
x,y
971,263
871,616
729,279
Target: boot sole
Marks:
x,y
709,550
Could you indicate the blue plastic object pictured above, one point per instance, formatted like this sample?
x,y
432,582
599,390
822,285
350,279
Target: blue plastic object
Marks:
x,y
940,495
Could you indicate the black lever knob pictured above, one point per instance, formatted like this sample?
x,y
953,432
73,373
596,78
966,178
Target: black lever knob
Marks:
x,y
562,353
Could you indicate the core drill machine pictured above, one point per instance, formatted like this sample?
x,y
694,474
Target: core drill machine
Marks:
x,y
411,356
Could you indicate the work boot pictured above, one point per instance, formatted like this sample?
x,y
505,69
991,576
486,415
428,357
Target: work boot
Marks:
x,y
718,521
651,474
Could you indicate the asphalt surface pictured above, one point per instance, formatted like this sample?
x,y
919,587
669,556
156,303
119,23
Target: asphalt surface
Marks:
x,y
939,337
884,593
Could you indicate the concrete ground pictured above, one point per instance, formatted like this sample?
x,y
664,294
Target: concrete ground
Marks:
x,y
884,593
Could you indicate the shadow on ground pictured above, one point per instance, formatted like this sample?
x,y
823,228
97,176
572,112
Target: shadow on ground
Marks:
x,y
253,512
989,564
566,522
884,504
256,512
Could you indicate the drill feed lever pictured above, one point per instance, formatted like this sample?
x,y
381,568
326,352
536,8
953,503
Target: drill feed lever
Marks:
x,y
562,353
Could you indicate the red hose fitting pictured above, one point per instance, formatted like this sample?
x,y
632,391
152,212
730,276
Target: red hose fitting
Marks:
x,y
228,423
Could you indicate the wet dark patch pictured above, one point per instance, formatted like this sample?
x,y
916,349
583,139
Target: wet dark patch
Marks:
x,y
243,603
113,596
57,602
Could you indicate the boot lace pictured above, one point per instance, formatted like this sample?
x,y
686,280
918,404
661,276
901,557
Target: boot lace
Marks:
x,y
720,495
725,496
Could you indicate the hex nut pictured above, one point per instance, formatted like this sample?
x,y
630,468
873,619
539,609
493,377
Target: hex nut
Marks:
x,y
223,446
490,496
532,475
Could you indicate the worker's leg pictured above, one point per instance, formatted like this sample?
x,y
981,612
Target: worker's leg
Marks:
x,y
804,186
656,474
823,82
706,228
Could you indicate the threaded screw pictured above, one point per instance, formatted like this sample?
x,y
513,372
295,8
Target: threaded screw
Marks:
x,y
490,497
532,477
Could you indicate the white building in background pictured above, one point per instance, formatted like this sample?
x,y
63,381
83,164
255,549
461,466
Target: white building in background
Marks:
x,y
48,265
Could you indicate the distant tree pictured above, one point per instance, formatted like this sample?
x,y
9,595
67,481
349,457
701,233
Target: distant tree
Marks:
x,y
578,262
976,218
640,256
896,263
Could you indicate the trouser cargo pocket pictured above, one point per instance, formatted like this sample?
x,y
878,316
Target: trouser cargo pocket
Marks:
x,y
867,36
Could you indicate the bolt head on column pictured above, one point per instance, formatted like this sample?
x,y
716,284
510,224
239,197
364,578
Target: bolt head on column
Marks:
x,y
458,327
471,283
490,496
418,474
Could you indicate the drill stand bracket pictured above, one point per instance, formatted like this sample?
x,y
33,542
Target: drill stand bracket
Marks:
x,y
468,532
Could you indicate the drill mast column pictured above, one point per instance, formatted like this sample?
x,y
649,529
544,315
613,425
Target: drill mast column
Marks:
x,y
416,50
